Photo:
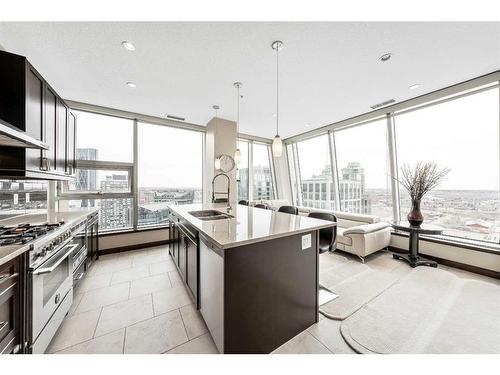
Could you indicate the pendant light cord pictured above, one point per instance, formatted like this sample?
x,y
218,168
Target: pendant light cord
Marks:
x,y
277,87
238,119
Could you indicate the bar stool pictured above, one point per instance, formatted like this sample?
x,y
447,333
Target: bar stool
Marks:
x,y
289,210
327,236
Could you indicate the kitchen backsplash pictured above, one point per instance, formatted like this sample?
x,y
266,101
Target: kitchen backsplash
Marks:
x,y
22,197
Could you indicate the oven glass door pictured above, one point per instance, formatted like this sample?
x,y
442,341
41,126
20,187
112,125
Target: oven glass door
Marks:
x,y
51,283
79,238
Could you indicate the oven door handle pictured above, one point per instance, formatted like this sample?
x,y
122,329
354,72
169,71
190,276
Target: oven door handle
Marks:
x,y
43,270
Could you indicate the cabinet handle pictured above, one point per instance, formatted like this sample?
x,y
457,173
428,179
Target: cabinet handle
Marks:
x,y
45,164
2,324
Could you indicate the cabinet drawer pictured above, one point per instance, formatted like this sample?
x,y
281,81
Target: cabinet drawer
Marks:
x,y
9,306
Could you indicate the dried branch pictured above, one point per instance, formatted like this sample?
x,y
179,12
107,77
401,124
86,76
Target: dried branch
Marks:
x,y
421,179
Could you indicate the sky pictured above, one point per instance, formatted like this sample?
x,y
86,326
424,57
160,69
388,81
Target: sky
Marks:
x,y
461,134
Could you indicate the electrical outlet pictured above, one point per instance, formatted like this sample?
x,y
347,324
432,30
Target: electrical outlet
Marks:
x,y
306,241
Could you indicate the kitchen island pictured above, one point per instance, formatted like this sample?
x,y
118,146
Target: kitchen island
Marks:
x,y
253,273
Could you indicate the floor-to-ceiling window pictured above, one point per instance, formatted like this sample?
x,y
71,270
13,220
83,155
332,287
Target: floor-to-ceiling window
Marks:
x,y
461,134
133,192
255,172
169,170
104,169
315,171
262,174
363,169
242,173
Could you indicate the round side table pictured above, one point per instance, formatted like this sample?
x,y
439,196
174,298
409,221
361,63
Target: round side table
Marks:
x,y
413,258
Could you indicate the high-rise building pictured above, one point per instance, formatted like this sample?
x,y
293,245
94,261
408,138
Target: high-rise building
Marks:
x,y
115,213
262,183
318,191
86,179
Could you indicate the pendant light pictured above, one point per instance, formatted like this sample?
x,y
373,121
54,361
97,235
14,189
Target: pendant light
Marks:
x,y
277,146
237,153
217,159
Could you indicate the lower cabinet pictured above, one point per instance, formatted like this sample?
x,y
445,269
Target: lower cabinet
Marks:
x,y
183,248
10,306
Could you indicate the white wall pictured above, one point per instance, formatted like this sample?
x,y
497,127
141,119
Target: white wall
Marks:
x,y
132,238
220,139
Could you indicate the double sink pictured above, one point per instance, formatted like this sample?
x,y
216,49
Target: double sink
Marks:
x,y
207,215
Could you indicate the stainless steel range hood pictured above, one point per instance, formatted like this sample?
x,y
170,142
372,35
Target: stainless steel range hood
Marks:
x,y
16,138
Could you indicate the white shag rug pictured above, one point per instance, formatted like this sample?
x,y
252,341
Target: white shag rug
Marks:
x,y
355,284
428,311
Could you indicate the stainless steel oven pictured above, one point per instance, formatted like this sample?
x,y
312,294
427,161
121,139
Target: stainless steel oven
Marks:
x,y
52,293
80,251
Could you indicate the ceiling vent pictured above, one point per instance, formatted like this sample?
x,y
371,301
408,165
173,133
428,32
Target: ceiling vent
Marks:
x,y
176,118
383,104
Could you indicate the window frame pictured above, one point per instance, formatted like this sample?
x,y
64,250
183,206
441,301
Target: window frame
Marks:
x,y
475,86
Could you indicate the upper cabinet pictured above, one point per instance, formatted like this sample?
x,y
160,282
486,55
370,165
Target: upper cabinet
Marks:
x,y
29,104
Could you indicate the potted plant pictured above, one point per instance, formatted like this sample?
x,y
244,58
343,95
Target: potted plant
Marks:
x,y
418,181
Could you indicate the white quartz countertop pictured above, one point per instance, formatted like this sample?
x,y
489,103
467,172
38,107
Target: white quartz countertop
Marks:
x,y
248,224
70,218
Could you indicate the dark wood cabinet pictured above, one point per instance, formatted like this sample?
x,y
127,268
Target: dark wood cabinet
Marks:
x,y
192,268
49,156
10,307
71,144
182,255
29,104
62,120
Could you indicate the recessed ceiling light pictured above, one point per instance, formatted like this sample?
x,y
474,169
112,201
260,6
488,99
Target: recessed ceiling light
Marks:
x,y
274,115
385,57
128,45
131,84
414,86
307,125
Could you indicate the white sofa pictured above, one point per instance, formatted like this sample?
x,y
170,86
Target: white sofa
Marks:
x,y
358,234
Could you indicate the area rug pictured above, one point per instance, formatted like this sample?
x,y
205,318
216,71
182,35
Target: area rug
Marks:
x,y
428,311
356,284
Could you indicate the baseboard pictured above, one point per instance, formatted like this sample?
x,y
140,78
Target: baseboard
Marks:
x,y
121,249
451,263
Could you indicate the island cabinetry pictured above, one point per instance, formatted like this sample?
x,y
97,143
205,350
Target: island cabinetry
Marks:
x,y
183,248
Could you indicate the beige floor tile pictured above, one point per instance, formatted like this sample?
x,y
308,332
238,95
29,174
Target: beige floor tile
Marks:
x,y
200,345
123,314
170,299
94,282
74,330
103,297
147,258
111,343
161,267
149,285
194,323
175,278
129,274
327,331
303,343
77,298
156,335
110,265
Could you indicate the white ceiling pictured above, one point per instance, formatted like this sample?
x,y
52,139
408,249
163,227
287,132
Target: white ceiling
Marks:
x,y
329,71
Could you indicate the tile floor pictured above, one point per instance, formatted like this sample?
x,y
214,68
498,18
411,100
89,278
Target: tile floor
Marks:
x,y
135,302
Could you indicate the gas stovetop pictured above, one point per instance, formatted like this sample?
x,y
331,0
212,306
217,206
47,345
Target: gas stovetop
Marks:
x,y
25,233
